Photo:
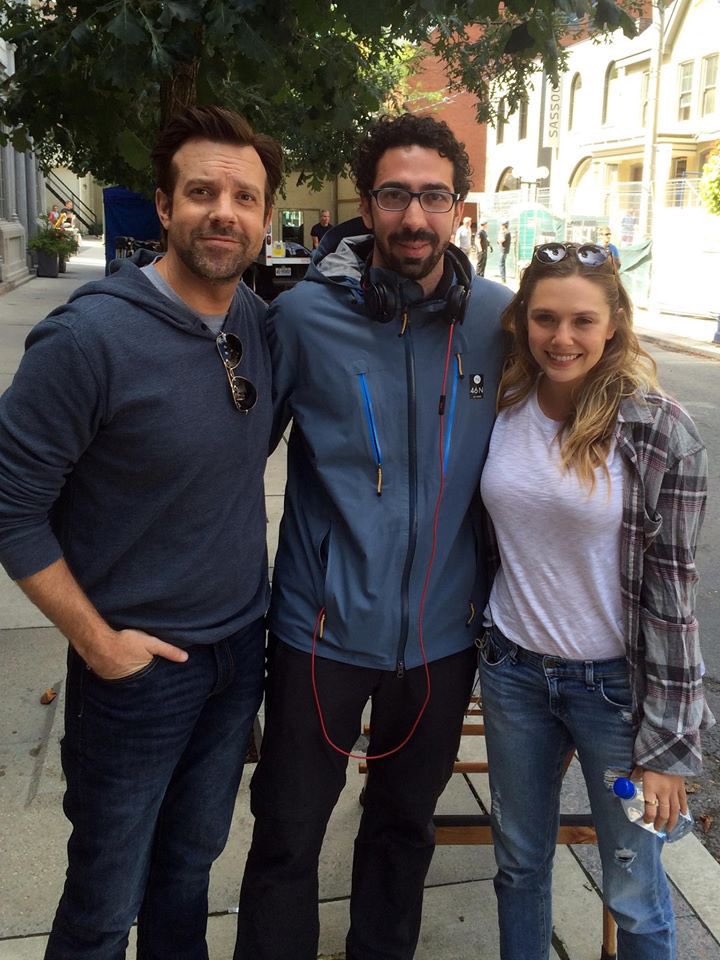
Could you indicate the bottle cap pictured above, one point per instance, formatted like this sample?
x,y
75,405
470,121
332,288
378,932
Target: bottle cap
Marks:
x,y
624,788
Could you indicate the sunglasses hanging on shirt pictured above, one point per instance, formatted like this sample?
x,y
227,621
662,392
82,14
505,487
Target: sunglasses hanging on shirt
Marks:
x,y
244,394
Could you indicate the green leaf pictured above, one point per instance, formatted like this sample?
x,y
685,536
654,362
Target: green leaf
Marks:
x,y
133,151
607,14
184,10
127,28
519,40
20,141
82,34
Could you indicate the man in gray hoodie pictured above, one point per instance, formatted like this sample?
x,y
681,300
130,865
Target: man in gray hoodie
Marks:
x,y
132,448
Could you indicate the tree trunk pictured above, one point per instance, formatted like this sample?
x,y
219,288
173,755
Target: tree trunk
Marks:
x,y
179,90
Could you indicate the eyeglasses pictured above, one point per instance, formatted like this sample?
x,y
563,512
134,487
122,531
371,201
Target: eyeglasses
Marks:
x,y
395,199
588,254
243,391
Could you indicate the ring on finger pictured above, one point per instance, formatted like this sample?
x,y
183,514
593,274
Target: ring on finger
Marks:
x,y
653,803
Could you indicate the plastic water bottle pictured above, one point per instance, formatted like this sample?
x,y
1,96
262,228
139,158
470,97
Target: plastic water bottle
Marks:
x,y
633,801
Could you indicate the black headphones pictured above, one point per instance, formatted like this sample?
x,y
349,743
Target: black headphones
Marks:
x,y
382,300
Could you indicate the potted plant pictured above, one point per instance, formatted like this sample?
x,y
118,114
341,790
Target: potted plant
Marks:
x,y
69,247
47,245
50,244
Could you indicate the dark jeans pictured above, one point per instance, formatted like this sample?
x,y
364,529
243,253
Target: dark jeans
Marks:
x,y
299,779
153,763
482,263
503,262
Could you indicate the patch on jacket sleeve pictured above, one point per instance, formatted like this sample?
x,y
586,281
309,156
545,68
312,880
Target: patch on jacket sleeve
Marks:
x,y
477,386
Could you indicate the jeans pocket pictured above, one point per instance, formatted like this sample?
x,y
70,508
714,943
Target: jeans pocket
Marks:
x,y
616,691
136,675
493,651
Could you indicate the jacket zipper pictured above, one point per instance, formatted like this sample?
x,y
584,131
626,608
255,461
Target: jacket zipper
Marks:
x,y
457,375
372,427
412,498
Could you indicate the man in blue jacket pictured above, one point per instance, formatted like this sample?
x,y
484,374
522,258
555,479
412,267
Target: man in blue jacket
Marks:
x,y
133,444
387,359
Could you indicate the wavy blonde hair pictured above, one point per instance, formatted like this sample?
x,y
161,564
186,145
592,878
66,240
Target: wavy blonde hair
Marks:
x,y
586,435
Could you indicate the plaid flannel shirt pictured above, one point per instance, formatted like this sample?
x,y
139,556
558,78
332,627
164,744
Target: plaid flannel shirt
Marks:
x,y
663,509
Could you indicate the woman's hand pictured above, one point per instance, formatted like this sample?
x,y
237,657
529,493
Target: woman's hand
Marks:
x,y
665,797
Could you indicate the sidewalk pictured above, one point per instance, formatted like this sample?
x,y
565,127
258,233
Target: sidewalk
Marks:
x,y
459,921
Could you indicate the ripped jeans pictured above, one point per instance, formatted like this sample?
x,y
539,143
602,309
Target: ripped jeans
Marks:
x,y
536,708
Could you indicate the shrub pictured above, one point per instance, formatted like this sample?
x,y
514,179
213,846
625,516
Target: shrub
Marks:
x,y
53,240
710,184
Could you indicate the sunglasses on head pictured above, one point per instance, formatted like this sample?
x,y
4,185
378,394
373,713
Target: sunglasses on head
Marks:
x,y
588,254
244,394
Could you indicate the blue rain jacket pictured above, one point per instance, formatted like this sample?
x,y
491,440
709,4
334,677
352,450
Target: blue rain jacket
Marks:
x,y
365,459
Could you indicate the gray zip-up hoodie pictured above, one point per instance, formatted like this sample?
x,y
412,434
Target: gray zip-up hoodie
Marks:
x,y
364,460
121,450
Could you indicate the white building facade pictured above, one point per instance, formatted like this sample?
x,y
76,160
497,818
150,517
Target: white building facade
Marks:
x,y
22,198
622,142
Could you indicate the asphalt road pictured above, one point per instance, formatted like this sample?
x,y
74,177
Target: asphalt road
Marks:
x,y
695,382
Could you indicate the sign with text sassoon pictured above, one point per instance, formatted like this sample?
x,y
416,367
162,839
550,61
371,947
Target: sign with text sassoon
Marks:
x,y
551,127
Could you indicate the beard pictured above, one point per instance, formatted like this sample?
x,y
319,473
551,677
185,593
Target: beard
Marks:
x,y
414,268
216,266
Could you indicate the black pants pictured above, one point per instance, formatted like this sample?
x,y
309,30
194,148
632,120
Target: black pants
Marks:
x,y
297,784
481,263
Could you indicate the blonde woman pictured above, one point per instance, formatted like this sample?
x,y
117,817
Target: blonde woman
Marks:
x,y
595,485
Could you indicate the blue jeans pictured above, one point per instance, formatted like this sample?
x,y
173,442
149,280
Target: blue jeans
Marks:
x,y
536,709
153,764
503,262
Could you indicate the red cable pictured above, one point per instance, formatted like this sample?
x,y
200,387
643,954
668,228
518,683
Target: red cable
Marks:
x,y
421,606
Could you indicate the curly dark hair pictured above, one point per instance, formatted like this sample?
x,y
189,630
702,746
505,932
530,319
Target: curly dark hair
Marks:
x,y
405,131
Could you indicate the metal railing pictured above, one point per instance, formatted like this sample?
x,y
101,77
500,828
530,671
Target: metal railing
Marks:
x,y
684,191
85,214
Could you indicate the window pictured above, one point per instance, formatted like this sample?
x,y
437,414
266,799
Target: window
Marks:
x,y
678,183
685,90
609,95
644,95
508,181
680,167
709,84
522,119
500,121
575,88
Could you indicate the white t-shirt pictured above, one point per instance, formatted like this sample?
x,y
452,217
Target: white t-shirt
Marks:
x,y
558,590
463,238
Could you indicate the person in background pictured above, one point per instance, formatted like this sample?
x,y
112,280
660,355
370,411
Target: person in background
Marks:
x,y
605,240
595,484
320,228
68,215
627,227
54,214
482,243
505,241
463,237
385,358
132,514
